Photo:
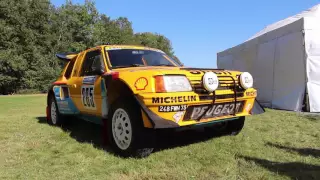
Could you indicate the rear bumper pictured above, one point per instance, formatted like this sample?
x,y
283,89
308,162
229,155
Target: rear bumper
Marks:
x,y
176,117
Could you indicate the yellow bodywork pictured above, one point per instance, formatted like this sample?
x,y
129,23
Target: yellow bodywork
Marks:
x,y
141,81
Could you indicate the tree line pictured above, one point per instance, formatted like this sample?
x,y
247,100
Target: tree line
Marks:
x,y
33,31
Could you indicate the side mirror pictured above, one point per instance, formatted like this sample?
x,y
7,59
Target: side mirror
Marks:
x,y
98,71
97,67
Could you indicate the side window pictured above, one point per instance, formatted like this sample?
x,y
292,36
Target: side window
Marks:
x,y
93,60
68,72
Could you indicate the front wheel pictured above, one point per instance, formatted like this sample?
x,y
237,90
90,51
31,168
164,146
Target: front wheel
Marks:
x,y
125,129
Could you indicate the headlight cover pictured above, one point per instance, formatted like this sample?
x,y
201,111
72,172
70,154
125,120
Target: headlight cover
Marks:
x,y
172,83
246,80
210,81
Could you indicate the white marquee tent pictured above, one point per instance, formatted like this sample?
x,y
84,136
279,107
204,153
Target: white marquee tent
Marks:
x,y
284,59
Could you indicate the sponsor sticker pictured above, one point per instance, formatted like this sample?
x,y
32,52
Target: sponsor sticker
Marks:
x,y
216,71
175,99
89,80
114,49
177,116
248,107
63,105
137,52
87,96
253,93
141,83
172,108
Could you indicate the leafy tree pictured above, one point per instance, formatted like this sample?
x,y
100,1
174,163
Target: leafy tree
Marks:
x,y
155,41
23,43
33,31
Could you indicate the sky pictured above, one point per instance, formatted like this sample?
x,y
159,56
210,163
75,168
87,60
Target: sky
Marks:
x,y
199,29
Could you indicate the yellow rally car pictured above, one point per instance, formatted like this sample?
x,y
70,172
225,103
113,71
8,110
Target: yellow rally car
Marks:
x,y
132,90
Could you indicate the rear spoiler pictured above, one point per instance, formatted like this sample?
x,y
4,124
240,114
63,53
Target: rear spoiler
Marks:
x,y
66,56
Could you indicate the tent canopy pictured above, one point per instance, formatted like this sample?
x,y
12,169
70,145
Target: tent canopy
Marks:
x,y
284,59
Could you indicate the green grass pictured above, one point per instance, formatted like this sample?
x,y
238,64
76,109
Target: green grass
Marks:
x,y
273,145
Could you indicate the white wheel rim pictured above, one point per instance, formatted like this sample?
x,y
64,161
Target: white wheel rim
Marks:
x,y
121,129
53,113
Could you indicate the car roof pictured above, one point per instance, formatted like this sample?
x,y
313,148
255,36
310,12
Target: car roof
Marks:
x,y
113,47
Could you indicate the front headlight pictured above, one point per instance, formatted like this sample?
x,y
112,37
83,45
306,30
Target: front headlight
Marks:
x,y
246,80
172,83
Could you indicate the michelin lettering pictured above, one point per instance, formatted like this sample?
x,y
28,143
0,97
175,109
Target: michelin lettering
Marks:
x,y
174,99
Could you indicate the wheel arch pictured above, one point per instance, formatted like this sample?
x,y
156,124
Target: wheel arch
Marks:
x,y
117,89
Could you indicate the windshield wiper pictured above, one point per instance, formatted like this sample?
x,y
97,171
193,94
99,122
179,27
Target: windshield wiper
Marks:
x,y
130,65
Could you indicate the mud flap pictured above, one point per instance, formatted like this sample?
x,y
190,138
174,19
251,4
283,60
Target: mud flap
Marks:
x,y
257,108
156,120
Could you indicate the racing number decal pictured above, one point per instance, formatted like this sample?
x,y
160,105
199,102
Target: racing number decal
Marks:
x,y
87,96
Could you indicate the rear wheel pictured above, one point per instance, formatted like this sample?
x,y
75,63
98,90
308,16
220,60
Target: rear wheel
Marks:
x,y
55,118
125,129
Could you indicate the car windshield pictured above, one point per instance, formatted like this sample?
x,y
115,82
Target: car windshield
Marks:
x,y
120,58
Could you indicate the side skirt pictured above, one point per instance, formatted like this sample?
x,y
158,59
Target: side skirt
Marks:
x,y
90,118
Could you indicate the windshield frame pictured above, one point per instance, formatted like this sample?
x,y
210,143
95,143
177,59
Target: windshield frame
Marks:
x,y
167,57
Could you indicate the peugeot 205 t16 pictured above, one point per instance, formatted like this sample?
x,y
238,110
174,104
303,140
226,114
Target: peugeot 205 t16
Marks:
x,y
133,90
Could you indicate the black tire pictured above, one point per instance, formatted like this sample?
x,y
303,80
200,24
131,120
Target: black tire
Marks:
x,y
232,127
139,144
53,109
216,129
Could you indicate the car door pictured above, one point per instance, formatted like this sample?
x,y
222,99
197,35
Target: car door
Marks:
x,y
87,85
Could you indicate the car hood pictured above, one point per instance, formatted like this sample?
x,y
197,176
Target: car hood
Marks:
x,y
163,70
143,76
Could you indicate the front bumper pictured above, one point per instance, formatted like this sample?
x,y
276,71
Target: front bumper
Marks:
x,y
178,115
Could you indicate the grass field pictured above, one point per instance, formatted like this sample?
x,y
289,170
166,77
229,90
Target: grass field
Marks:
x,y
273,145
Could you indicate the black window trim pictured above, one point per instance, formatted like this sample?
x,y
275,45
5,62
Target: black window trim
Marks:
x,y
84,59
105,51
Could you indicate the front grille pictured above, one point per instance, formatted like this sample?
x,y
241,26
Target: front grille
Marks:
x,y
222,96
225,83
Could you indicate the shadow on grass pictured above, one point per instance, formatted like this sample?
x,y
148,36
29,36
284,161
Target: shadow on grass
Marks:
x,y
83,132
312,118
301,151
86,132
294,170
171,139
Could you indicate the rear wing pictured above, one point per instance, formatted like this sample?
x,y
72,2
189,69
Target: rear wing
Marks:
x,y
66,56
